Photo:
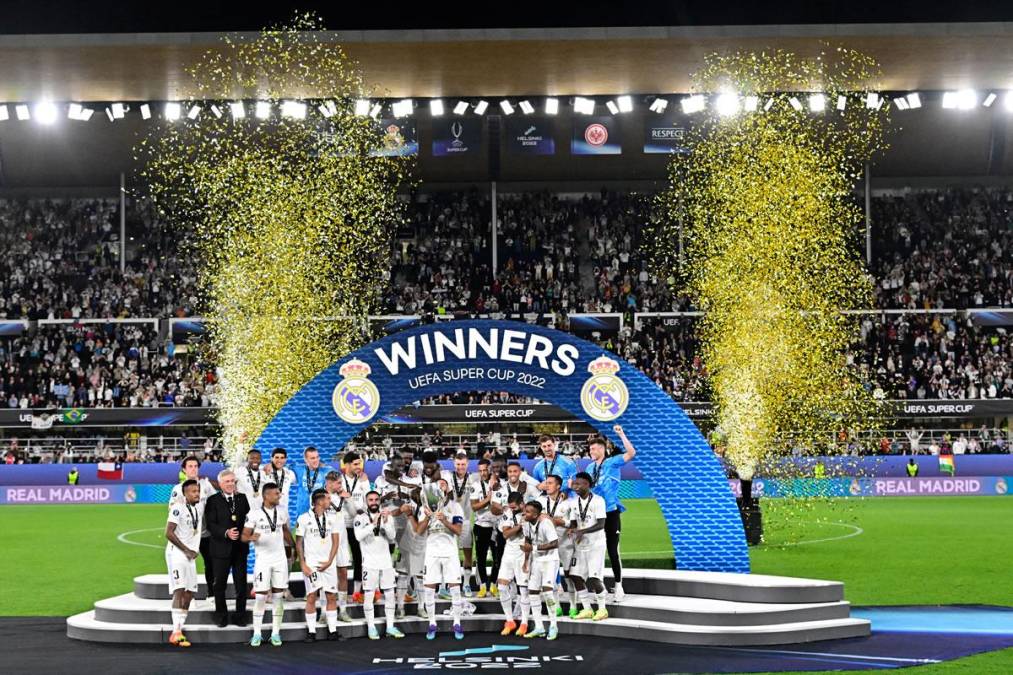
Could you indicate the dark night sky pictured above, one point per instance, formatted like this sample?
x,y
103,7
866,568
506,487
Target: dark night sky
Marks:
x,y
101,16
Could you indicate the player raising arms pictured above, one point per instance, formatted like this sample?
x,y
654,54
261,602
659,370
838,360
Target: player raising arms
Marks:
x,y
317,542
541,548
268,529
376,532
442,521
182,530
511,568
557,508
587,526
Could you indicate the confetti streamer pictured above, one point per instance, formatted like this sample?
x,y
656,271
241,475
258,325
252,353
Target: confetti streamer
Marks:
x,y
291,218
766,205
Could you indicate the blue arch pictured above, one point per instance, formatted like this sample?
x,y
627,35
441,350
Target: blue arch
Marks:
x,y
686,478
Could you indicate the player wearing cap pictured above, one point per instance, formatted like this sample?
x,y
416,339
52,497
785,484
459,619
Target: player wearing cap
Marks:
x,y
182,530
374,528
268,529
317,542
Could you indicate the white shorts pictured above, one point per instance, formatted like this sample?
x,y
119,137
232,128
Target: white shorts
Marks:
x,y
344,556
269,575
511,568
567,555
412,564
182,572
543,573
442,570
378,578
326,581
590,563
465,539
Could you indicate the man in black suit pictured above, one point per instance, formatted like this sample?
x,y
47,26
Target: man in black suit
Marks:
x,y
225,514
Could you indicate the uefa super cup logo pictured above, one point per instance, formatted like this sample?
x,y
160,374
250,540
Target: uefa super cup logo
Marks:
x,y
604,396
355,398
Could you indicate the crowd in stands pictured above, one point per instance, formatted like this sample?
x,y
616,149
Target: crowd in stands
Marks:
x,y
933,249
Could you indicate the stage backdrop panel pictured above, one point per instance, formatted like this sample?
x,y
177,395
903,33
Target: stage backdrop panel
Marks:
x,y
549,365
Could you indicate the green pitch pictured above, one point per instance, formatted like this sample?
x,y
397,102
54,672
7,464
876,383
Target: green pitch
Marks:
x,y
906,550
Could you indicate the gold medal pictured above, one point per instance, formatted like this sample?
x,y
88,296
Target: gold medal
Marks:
x,y
233,517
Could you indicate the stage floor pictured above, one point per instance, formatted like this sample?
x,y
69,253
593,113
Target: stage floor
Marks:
x,y
915,635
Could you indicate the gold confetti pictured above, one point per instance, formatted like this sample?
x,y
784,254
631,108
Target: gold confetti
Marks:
x,y
766,206
291,219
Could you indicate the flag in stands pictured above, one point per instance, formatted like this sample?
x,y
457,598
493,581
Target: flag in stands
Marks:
x,y
110,471
946,464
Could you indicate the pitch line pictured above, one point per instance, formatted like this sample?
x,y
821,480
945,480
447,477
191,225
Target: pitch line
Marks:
x,y
855,531
122,537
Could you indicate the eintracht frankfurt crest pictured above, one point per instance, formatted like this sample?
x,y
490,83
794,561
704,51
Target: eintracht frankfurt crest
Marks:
x,y
355,398
604,396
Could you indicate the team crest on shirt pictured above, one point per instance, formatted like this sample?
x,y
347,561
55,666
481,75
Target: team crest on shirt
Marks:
x,y
604,396
355,398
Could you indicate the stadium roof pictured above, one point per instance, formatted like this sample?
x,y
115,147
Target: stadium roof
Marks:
x,y
510,62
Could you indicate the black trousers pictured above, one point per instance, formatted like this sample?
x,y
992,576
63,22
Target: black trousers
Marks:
x,y
209,566
353,544
483,542
236,564
498,545
613,528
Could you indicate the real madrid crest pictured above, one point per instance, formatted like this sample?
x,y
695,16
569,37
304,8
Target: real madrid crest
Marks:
x,y
604,396
355,398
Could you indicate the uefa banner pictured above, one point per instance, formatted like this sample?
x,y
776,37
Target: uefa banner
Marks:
x,y
665,134
530,136
399,138
456,136
595,136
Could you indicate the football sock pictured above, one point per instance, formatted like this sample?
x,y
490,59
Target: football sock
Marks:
x,y
505,603
277,613
259,607
388,607
431,604
550,606
332,619
455,604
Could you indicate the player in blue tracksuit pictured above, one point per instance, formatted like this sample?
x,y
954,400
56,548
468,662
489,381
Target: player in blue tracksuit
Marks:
x,y
553,464
311,478
605,477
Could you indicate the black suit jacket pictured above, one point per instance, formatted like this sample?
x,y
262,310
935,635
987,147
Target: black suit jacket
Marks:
x,y
219,520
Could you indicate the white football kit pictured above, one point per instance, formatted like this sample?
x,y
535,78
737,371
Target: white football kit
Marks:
x,y
443,562
344,557
590,548
375,541
511,566
317,534
412,546
484,517
248,481
460,490
283,478
270,570
543,566
189,521
560,507
357,487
